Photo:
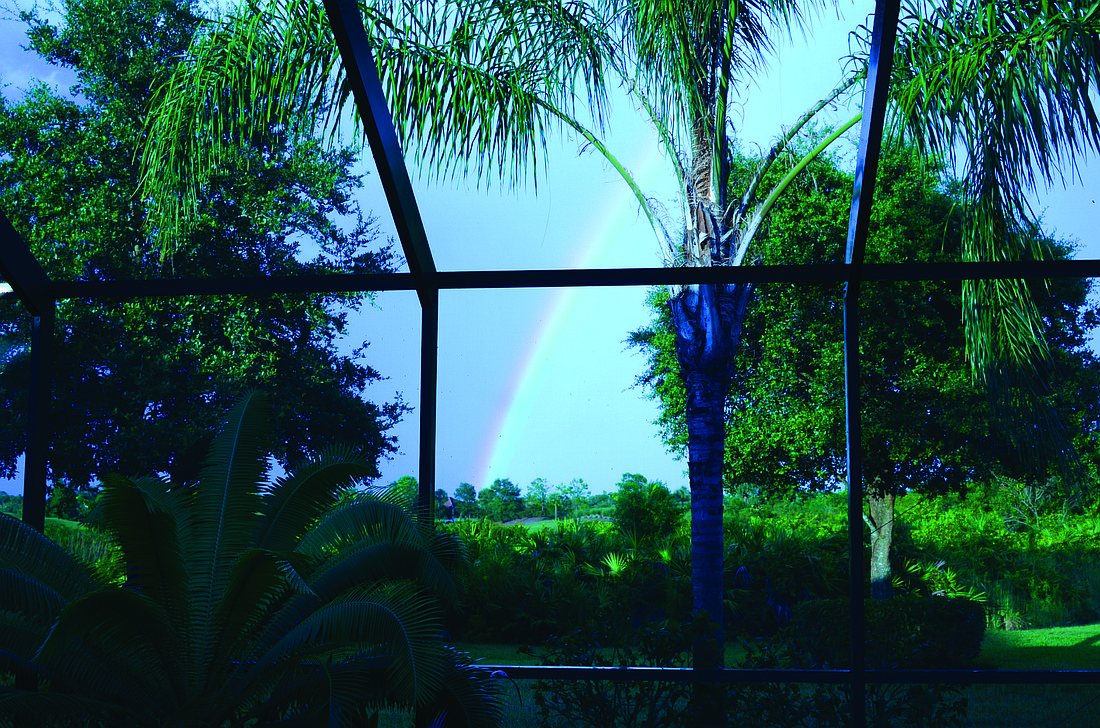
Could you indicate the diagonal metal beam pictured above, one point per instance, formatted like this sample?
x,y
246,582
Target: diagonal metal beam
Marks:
x,y
875,98
22,272
351,38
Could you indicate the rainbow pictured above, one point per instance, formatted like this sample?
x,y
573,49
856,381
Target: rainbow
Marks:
x,y
517,403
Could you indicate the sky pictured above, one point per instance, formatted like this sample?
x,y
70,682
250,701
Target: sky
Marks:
x,y
536,382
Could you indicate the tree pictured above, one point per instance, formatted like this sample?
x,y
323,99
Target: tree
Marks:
x,y
500,501
926,427
467,497
645,509
537,499
246,603
444,506
403,492
479,83
575,494
136,382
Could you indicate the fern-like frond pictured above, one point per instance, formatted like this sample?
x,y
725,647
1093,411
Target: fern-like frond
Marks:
x,y
372,562
297,500
29,552
391,622
143,519
226,509
358,517
134,640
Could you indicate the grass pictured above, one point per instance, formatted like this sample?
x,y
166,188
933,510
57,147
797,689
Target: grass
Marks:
x,y
1060,648
1038,706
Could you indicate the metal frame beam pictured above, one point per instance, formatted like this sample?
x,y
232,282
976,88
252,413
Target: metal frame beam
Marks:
x,y
351,38
20,270
347,25
876,96
31,285
593,277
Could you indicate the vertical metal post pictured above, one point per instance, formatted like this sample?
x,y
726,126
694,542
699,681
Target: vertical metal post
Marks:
x,y
39,430
879,67
855,502
429,366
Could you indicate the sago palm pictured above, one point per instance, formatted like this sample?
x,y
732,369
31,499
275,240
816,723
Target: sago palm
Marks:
x,y
245,603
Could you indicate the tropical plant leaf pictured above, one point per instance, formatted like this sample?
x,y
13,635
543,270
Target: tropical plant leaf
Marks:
x,y
132,637
143,520
29,552
297,500
225,510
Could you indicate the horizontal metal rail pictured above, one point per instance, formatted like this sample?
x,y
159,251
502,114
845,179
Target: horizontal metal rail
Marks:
x,y
877,677
569,278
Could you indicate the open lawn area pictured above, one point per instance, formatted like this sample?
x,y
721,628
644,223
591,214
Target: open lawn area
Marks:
x,y
1060,648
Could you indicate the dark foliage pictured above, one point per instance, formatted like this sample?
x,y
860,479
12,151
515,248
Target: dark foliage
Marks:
x,y
906,632
136,381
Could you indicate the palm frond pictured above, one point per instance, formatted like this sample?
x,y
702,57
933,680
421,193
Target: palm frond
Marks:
x,y
260,579
22,594
488,80
268,68
372,561
29,552
475,87
225,509
20,637
1008,85
466,697
349,522
55,708
138,512
389,622
687,52
297,500
133,638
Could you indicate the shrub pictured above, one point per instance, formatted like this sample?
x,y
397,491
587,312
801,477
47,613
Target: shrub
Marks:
x,y
245,603
918,633
646,509
619,704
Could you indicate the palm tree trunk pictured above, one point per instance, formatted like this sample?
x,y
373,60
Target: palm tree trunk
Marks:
x,y
706,398
707,319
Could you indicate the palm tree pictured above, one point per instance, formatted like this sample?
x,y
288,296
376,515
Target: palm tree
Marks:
x,y
245,602
476,84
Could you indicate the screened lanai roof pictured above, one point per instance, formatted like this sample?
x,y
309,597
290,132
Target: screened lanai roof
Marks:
x,y
29,283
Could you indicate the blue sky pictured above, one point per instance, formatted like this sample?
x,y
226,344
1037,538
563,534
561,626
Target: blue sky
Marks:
x,y
538,383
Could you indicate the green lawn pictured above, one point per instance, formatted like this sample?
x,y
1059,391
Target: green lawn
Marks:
x,y
1061,648
1038,706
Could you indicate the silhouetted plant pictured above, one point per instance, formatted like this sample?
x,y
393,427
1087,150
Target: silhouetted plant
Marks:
x,y
246,602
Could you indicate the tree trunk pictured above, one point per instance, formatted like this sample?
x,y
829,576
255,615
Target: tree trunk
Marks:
x,y
881,521
707,319
706,398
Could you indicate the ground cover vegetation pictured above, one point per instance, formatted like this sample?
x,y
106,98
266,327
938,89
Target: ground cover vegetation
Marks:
x,y
137,381
240,602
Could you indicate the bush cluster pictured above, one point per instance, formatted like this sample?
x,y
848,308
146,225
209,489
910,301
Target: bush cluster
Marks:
x,y
905,632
